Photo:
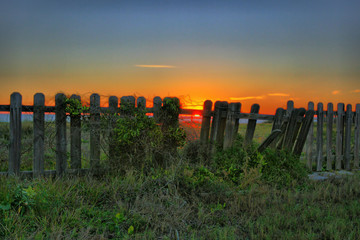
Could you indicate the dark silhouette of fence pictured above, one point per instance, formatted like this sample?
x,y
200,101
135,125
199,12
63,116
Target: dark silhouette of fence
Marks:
x,y
292,127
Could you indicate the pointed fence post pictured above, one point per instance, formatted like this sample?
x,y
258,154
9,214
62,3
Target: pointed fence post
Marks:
x,y
250,130
15,133
310,140
75,136
205,123
357,136
60,122
347,147
39,129
319,137
232,124
329,134
339,135
94,131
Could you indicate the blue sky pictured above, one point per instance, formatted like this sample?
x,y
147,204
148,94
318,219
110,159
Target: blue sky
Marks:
x,y
248,48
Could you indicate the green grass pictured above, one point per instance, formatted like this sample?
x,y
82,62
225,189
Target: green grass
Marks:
x,y
234,194
164,205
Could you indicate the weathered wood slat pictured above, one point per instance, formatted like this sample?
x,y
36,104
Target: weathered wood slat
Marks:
x,y
347,147
250,130
310,140
220,135
304,132
141,103
39,134
157,108
94,131
75,136
60,122
289,107
205,125
274,134
319,137
15,133
329,134
356,137
339,135
278,120
113,105
232,124
215,122
299,120
291,128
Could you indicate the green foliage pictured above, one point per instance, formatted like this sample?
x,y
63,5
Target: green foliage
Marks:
x,y
74,106
140,142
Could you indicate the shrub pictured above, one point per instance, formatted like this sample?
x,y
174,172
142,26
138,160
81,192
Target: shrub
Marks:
x,y
140,142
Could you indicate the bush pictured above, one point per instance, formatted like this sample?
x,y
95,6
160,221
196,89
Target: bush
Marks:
x,y
141,143
239,165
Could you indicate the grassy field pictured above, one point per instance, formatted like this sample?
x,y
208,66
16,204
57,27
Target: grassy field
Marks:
x,y
233,194
167,205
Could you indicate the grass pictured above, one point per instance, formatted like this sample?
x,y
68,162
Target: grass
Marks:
x,y
233,195
164,205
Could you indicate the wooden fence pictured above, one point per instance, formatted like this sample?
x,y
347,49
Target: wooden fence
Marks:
x,y
219,126
39,109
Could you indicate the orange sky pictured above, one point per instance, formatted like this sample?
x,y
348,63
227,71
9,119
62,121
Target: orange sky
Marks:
x,y
252,51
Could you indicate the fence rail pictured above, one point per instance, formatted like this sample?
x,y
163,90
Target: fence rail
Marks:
x,y
219,125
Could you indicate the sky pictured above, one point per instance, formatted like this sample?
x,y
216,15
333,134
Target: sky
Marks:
x,y
265,52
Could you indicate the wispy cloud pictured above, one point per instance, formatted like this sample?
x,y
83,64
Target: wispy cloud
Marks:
x,y
246,98
356,91
278,95
335,92
155,66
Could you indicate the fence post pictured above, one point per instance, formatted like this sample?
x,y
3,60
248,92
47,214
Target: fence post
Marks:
x,y
292,128
289,108
348,120
339,135
357,136
215,122
250,130
329,127
157,108
141,103
39,128
304,132
319,137
232,124
278,120
75,136
15,133
113,105
310,140
94,131
205,123
221,131
60,122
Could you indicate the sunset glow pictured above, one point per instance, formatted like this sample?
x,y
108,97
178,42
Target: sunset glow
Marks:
x,y
235,51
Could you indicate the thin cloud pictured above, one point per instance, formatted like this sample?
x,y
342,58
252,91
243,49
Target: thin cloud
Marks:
x,y
279,95
155,66
246,98
356,91
335,92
